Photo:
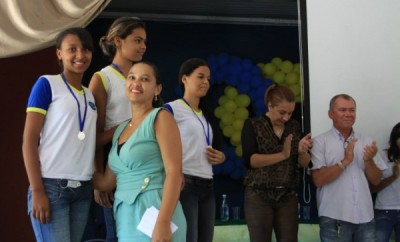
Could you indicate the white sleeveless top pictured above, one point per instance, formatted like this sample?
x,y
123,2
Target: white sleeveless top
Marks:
x,y
118,108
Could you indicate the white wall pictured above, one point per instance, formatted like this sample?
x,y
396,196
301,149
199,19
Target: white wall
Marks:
x,y
354,48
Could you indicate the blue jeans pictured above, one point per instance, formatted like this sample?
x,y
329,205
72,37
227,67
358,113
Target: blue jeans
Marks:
x,y
69,210
333,230
111,232
387,221
198,203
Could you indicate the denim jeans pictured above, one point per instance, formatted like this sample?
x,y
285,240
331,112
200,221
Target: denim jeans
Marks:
x,y
333,230
387,221
111,232
263,217
198,203
69,211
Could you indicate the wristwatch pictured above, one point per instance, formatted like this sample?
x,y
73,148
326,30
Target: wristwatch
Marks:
x,y
340,164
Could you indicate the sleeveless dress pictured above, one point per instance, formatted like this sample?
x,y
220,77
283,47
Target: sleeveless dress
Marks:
x,y
140,177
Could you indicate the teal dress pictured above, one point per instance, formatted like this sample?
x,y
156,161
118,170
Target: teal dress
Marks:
x,y
140,175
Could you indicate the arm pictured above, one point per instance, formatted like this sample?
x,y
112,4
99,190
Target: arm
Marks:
x,y
102,137
104,181
371,170
252,155
387,181
326,175
97,88
40,204
169,140
304,145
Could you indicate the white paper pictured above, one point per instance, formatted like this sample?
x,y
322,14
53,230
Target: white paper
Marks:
x,y
148,222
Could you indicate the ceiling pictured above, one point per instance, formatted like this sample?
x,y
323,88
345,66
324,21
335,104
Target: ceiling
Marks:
x,y
224,11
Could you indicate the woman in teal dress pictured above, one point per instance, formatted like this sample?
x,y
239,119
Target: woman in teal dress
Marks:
x,y
145,163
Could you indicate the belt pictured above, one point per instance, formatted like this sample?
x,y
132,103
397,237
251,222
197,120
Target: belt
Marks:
x,y
68,183
195,180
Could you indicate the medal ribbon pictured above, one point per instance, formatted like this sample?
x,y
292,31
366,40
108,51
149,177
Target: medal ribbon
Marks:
x,y
81,121
206,134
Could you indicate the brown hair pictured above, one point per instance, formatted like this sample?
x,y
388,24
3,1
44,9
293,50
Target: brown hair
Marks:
x,y
121,27
276,94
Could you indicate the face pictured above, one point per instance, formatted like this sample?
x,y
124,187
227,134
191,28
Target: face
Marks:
x,y
141,86
343,114
133,46
197,83
75,58
398,143
280,113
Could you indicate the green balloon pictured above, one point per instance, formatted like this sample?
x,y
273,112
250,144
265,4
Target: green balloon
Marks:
x,y
241,113
219,112
231,93
279,77
296,68
286,66
236,138
277,61
227,119
238,124
292,78
296,89
228,131
269,69
230,106
239,150
222,100
242,100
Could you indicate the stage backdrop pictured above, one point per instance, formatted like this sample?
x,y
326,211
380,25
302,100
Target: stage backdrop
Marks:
x,y
354,48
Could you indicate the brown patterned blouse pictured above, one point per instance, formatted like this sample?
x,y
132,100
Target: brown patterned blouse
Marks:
x,y
270,182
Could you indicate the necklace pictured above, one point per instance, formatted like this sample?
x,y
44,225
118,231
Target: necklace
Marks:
x,y
278,132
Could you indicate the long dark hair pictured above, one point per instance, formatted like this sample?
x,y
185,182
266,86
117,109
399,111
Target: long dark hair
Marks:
x,y
394,150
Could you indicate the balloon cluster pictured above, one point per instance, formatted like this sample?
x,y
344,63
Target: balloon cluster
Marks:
x,y
242,74
243,94
232,112
283,72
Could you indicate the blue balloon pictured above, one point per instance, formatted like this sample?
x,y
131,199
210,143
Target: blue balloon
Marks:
x,y
255,70
222,59
236,174
255,82
247,64
232,80
218,76
267,83
260,92
234,60
229,166
235,68
243,88
217,169
245,77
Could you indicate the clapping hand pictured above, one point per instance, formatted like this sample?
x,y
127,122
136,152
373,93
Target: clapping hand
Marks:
x,y
370,151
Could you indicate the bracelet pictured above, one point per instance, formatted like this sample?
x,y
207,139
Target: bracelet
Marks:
x,y
340,164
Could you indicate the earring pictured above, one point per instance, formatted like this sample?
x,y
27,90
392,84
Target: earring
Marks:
x,y
155,98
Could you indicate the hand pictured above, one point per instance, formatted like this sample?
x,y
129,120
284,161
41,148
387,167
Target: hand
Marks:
x,y
214,156
305,144
349,152
40,206
287,146
105,199
162,232
370,151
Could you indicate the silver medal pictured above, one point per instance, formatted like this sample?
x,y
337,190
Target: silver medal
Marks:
x,y
81,135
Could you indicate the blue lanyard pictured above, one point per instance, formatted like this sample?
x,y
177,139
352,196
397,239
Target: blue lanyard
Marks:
x,y
207,135
116,67
81,121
